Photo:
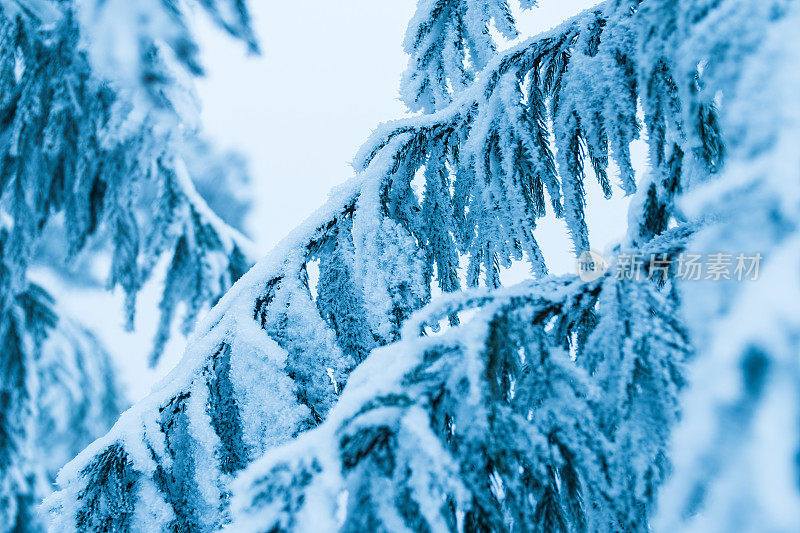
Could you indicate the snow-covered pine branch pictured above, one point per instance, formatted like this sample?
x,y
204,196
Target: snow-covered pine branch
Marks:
x,y
500,423
265,365
579,83
79,395
448,41
269,361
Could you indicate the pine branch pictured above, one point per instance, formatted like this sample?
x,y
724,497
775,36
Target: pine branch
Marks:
x,y
490,422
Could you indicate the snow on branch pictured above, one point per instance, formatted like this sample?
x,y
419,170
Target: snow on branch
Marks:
x,y
230,398
448,41
494,140
490,422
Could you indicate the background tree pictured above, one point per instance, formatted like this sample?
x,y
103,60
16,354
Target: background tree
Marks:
x,y
80,139
736,453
